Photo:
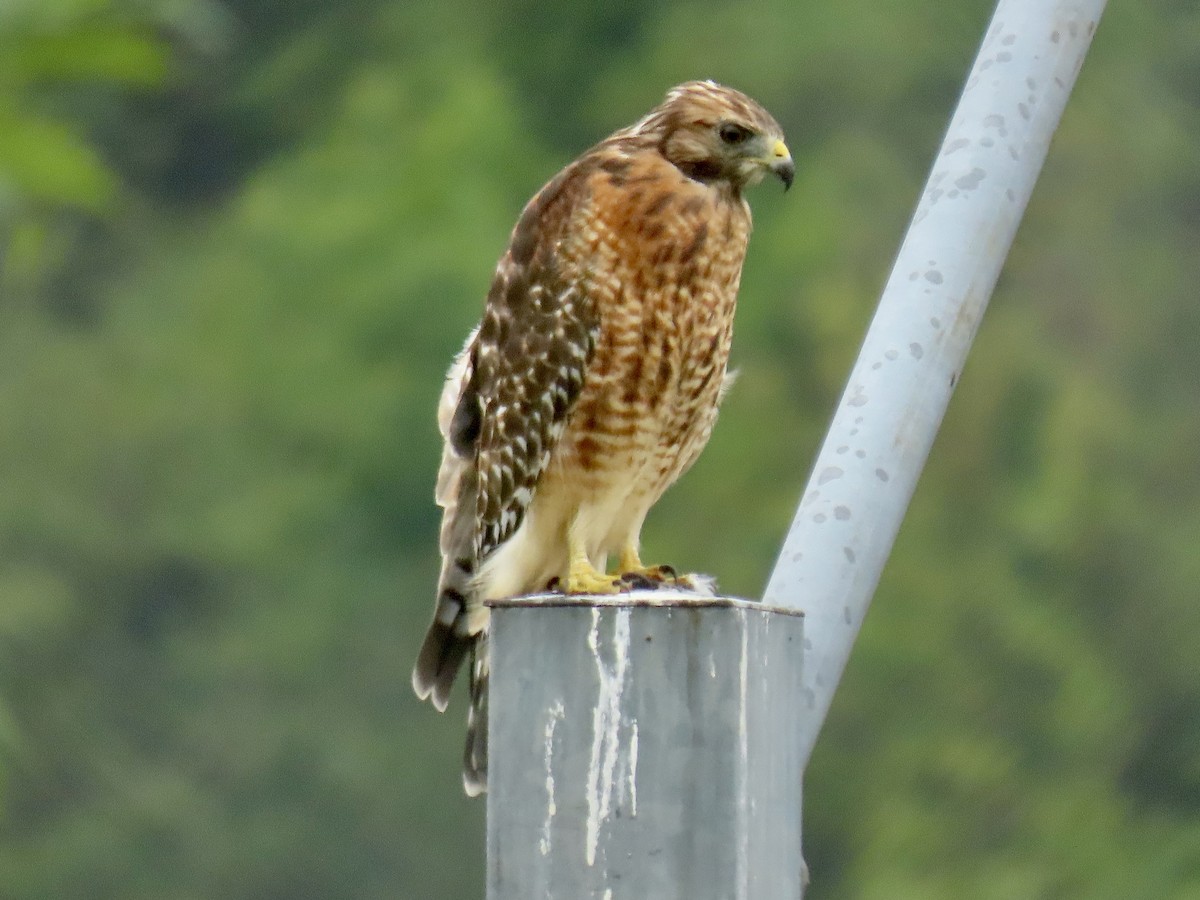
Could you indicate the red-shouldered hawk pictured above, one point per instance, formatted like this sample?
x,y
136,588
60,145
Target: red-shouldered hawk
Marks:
x,y
593,381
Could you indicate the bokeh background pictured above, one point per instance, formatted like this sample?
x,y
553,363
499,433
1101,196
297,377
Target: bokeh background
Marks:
x,y
240,241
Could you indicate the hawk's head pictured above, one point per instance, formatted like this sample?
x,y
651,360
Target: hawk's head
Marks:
x,y
714,133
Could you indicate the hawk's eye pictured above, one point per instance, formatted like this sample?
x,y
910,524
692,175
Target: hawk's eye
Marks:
x,y
733,134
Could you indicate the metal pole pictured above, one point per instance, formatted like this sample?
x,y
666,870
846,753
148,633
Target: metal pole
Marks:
x,y
916,346
650,753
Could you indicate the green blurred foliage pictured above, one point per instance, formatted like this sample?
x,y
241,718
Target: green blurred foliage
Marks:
x,y
49,169
240,242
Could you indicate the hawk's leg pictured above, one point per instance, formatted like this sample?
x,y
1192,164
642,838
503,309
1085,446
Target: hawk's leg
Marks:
x,y
633,573
583,577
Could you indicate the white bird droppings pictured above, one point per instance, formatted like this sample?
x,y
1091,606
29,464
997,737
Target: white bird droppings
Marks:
x,y
604,780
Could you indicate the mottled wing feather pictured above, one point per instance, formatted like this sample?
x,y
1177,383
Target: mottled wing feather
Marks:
x,y
456,458
537,336
505,405
445,645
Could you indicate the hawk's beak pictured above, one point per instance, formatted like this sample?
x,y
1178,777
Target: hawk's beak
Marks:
x,y
781,164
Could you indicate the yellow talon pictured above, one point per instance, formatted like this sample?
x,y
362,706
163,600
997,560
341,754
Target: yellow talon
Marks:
x,y
633,572
584,578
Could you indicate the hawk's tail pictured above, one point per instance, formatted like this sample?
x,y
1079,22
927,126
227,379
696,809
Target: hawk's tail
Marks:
x,y
475,756
459,616
459,619
445,646
442,651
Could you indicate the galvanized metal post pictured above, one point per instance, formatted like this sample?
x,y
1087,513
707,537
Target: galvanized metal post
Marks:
x,y
643,746
916,346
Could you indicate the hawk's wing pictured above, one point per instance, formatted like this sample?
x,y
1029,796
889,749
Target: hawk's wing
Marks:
x,y
529,358
505,405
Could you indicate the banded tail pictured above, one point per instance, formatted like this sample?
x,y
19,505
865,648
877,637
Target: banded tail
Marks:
x,y
460,620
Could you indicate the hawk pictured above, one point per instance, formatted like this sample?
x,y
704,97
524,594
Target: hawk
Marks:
x,y
593,380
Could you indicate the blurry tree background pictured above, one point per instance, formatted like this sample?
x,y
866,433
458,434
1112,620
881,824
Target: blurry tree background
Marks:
x,y
240,241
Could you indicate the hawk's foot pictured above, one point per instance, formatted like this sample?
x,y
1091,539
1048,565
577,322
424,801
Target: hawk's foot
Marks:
x,y
583,578
635,576
650,577
653,578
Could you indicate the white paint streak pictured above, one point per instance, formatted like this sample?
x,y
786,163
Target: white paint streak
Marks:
x,y
633,761
606,727
554,716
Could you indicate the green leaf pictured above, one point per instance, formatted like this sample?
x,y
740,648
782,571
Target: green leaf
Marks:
x,y
103,53
46,160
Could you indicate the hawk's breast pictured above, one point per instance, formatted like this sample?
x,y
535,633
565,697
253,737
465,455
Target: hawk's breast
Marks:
x,y
661,255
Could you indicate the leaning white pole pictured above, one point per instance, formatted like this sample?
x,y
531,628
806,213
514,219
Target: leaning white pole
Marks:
x,y
944,274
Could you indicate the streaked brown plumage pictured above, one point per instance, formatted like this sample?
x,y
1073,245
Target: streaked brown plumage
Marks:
x,y
593,381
